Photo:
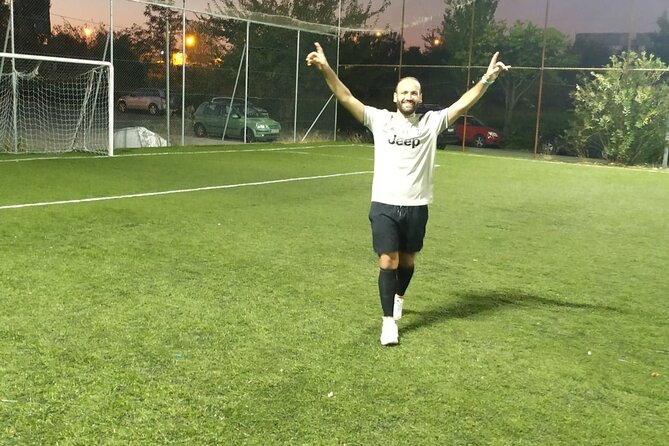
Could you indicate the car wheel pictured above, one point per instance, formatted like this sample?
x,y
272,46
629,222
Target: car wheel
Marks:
x,y
153,109
479,141
199,130
122,107
250,137
548,147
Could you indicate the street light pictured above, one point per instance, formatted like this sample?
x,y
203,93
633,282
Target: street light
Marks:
x,y
179,58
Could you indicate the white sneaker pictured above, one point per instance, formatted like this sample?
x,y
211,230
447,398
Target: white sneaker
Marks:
x,y
389,332
397,308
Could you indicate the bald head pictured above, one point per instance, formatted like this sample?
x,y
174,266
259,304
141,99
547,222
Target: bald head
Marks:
x,y
407,82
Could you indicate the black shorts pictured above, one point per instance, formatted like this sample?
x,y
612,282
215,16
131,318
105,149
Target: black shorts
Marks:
x,y
397,228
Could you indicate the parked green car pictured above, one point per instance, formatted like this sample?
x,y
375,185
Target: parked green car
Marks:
x,y
211,118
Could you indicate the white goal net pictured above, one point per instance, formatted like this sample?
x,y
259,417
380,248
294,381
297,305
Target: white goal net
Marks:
x,y
51,104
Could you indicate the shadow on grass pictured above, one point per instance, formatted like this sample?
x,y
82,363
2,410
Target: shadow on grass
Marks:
x,y
472,304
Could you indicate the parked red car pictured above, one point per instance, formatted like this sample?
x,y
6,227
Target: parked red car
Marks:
x,y
478,134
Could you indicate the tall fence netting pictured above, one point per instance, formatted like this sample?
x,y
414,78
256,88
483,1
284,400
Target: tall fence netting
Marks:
x,y
252,55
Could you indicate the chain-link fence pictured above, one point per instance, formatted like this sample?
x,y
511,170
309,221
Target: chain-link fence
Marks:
x,y
221,70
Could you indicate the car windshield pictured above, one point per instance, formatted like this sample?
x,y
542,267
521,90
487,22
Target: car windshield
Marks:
x,y
236,103
470,121
252,112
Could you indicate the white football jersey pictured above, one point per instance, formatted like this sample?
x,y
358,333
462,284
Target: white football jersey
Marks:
x,y
404,153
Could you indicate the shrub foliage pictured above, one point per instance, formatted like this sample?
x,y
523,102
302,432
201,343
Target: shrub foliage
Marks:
x,y
622,112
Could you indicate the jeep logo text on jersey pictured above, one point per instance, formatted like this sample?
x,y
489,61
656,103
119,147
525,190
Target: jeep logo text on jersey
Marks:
x,y
413,142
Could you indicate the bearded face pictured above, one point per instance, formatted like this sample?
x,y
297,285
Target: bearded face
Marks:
x,y
407,96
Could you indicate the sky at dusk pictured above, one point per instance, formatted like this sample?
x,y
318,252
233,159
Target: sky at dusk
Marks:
x,y
569,16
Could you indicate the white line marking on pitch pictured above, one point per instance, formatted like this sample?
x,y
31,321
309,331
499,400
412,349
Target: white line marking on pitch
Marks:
x,y
180,191
200,152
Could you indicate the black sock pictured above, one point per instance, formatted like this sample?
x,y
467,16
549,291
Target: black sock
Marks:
x,y
404,275
387,289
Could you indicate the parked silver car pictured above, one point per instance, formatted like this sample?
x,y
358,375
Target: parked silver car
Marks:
x,y
151,100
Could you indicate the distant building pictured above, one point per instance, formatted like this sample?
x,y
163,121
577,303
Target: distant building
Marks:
x,y
614,43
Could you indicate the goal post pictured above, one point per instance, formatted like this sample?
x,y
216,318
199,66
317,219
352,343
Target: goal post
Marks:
x,y
56,104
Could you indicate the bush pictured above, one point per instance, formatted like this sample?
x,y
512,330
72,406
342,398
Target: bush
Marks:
x,y
622,112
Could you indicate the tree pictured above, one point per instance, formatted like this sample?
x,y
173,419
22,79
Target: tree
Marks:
x,y
307,14
372,85
69,41
129,71
323,11
152,39
140,49
458,31
449,44
273,49
521,45
661,39
32,25
622,111
296,13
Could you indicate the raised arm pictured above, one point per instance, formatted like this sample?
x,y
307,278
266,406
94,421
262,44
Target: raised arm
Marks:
x,y
340,91
472,95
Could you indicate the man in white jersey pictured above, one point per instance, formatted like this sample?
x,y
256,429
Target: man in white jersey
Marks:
x,y
404,151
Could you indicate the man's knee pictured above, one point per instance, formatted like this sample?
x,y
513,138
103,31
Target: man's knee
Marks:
x,y
389,260
406,259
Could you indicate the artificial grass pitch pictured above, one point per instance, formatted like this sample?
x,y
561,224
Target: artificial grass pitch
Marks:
x,y
228,296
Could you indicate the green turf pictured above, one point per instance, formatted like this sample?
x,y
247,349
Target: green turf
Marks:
x,y
250,315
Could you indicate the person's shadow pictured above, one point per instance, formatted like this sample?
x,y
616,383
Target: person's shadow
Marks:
x,y
471,304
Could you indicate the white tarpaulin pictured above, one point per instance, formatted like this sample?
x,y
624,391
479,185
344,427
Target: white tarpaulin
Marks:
x,y
136,137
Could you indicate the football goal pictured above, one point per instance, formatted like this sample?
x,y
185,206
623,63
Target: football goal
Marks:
x,y
54,104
